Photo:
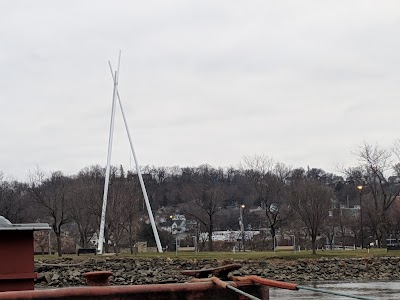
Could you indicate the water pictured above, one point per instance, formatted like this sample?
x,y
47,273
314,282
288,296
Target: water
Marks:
x,y
377,290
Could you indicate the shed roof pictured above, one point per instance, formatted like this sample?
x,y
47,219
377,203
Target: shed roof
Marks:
x,y
7,225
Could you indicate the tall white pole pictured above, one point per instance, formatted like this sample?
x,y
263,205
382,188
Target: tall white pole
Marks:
x,y
107,179
242,225
146,198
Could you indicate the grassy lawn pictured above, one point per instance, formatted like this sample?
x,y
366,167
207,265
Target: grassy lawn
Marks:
x,y
240,255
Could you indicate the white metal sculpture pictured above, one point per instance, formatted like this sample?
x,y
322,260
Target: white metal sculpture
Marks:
x,y
103,213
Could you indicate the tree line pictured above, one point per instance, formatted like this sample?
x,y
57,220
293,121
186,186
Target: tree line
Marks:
x,y
306,203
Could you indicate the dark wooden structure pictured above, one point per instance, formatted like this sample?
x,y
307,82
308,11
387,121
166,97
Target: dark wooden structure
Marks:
x,y
87,251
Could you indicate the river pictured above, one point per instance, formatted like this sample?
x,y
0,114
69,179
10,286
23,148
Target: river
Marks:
x,y
376,290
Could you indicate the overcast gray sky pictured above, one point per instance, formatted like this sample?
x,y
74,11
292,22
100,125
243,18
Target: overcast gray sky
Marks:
x,y
201,81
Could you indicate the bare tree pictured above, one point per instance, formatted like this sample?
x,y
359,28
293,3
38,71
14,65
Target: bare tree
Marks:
x,y
204,205
269,181
7,201
86,193
378,194
42,240
394,217
312,201
53,194
15,205
205,198
135,198
119,212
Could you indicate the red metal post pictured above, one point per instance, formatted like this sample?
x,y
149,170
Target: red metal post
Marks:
x,y
16,260
181,291
97,278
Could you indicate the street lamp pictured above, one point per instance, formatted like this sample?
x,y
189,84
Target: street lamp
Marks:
x,y
294,242
195,243
171,217
360,188
241,224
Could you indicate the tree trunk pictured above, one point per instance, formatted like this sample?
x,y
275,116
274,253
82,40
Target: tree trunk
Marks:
x,y
130,240
115,246
210,231
355,240
379,239
343,243
273,234
58,235
314,244
330,243
384,237
106,247
331,238
83,238
210,241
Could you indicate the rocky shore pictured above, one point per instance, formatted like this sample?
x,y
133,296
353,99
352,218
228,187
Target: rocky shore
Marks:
x,y
68,272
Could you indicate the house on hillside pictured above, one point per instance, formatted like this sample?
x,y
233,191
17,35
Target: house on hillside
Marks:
x,y
175,224
178,224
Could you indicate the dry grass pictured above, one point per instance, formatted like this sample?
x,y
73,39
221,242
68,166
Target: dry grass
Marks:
x,y
288,255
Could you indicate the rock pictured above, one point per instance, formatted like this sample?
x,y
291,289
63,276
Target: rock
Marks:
x,y
48,276
149,271
40,278
55,277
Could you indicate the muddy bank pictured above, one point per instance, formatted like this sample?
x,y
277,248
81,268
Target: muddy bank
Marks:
x,y
68,272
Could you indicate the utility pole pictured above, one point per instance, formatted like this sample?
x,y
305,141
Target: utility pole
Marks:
x,y
242,224
360,188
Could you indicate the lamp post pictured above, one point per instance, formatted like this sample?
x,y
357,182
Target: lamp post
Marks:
x,y
171,217
294,242
360,188
241,224
195,244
